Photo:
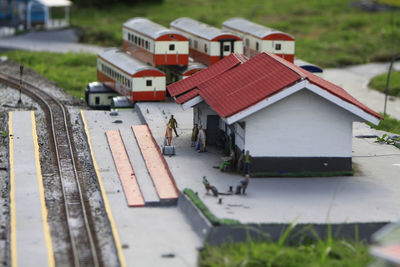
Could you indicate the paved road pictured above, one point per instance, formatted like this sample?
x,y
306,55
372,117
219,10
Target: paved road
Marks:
x,y
355,80
62,41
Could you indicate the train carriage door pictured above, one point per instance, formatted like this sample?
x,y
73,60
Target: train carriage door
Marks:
x,y
226,47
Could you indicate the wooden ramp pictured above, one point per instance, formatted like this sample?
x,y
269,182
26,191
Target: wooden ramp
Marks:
x,y
156,165
125,170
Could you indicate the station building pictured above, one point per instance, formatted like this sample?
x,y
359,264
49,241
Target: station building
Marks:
x,y
288,118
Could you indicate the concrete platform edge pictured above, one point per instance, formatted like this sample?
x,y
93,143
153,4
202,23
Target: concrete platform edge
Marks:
x,y
199,223
272,232
106,205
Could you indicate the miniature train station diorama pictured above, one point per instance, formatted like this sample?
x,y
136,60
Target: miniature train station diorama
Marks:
x,y
194,134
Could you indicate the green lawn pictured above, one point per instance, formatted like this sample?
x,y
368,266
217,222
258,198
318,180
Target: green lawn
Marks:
x,y
379,83
321,253
388,124
70,71
329,33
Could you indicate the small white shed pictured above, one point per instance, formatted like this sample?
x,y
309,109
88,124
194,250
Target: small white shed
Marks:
x,y
53,14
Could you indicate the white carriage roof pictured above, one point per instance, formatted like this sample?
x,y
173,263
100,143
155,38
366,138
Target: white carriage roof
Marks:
x,y
124,61
198,28
148,27
54,3
252,28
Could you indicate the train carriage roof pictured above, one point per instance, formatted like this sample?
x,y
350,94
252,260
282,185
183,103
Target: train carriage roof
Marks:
x,y
252,28
125,62
199,28
148,28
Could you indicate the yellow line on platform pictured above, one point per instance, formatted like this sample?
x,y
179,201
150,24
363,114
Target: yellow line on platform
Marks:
x,y
104,195
13,238
46,227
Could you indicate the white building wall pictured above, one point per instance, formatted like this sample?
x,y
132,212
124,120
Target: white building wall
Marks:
x,y
139,84
287,47
181,47
301,125
200,113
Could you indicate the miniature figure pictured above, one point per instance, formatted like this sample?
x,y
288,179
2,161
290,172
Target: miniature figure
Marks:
x,y
244,183
246,163
195,133
239,164
201,140
174,124
168,134
209,187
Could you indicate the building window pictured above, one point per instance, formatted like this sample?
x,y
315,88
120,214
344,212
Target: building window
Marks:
x,y
148,82
227,48
171,47
195,43
278,47
205,48
257,46
97,100
147,44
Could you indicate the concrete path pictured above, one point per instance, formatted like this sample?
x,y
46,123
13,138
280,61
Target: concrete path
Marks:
x,y
62,41
150,236
30,234
372,195
355,80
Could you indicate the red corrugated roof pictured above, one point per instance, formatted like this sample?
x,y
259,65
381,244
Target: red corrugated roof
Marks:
x,y
330,87
221,66
186,97
244,85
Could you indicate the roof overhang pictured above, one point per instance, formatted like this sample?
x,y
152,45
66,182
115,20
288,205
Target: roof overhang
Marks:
x,y
192,102
55,3
304,84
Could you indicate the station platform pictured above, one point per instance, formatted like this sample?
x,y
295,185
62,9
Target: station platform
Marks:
x,y
30,240
151,235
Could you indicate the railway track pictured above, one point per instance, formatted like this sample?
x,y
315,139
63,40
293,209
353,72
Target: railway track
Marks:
x,y
83,245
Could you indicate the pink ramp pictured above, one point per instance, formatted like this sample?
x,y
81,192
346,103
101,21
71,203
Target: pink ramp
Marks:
x,y
156,164
125,171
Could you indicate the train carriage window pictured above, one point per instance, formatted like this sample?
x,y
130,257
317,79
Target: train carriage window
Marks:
x,y
247,42
190,42
205,48
129,36
227,48
147,44
278,46
135,39
97,100
257,46
148,82
171,47
195,43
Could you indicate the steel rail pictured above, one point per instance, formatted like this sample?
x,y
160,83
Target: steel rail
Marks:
x,y
79,231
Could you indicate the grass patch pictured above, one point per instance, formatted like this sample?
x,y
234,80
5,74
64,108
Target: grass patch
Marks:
x,y
319,253
302,174
388,124
379,83
70,71
206,212
328,33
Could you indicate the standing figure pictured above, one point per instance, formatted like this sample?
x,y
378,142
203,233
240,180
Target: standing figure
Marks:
x,y
244,183
201,142
239,165
246,163
174,124
168,134
195,133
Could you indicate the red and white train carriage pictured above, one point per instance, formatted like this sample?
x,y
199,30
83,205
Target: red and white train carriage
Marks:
x,y
129,76
258,38
154,44
207,44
